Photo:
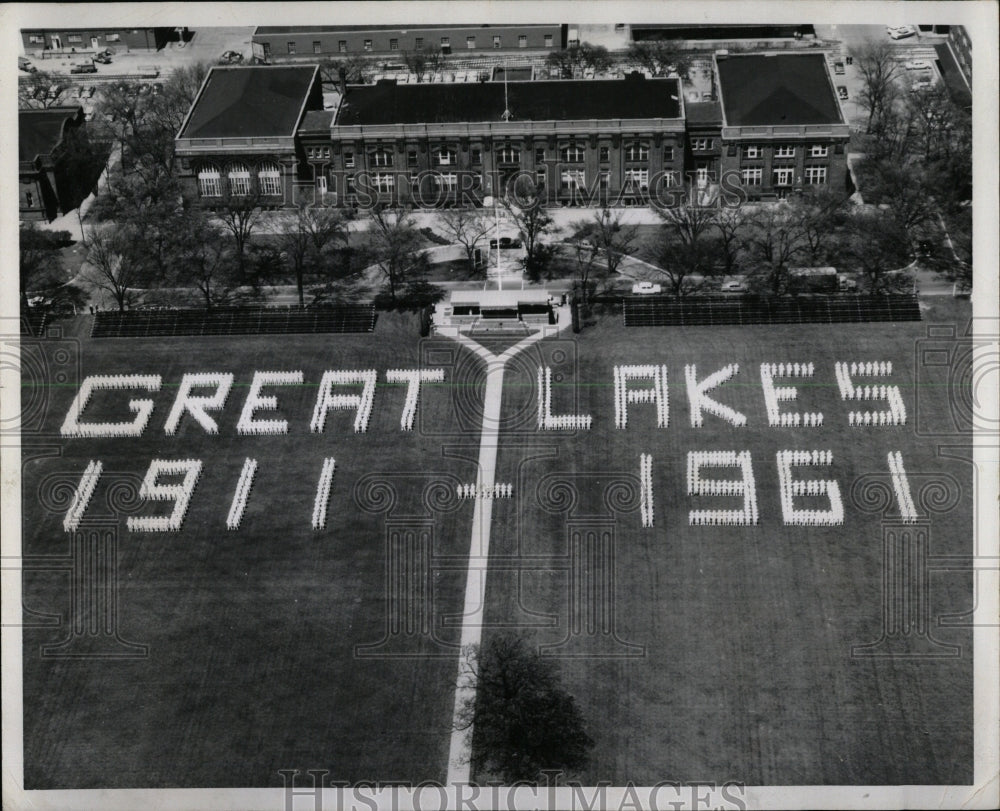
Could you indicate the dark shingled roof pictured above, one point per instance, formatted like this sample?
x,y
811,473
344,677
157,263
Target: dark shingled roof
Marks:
x,y
316,120
249,102
762,90
389,103
703,112
38,131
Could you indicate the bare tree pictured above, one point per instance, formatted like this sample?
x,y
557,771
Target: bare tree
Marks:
x,y
526,210
776,243
684,250
423,61
308,235
114,265
660,58
239,216
393,244
573,60
41,90
614,240
876,61
467,227
879,246
730,230
40,264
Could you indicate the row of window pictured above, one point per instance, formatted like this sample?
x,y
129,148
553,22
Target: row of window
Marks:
x,y
814,151
369,45
784,176
39,39
569,179
447,156
239,176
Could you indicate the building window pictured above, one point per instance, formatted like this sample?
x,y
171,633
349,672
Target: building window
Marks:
x,y
752,177
415,181
522,41
470,42
818,151
477,156
239,180
446,181
573,179
342,46
784,152
326,152
381,157
74,38
636,151
113,37
349,185
605,180
368,44
700,144
637,178
393,44
509,154
539,178
208,182
548,40
383,182
752,152
418,43
540,155
445,156
291,47
496,40
445,43
36,39
783,177
321,184
348,160
672,179
815,175
604,154
269,179
571,154
668,154
411,157
310,152
29,199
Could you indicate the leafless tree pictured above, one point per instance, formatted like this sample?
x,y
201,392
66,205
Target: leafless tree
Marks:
x,y
467,227
876,61
307,236
41,90
776,243
114,264
684,249
239,216
660,58
393,244
614,239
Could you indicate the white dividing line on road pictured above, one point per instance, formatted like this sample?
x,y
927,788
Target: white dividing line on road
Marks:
x,y
479,546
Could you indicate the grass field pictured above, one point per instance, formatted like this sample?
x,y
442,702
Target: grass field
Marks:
x,y
745,634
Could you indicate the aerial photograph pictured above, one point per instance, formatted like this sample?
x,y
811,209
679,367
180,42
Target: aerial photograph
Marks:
x,y
401,411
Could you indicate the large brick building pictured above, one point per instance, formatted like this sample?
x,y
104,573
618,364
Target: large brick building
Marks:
x,y
777,127
38,41
47,186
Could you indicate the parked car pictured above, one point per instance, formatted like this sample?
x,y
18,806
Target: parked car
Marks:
x,y
104,57
917,64
25,65
838,68
90,92
733,284
846,284
84,67
901,31
646,289
231,58
842,92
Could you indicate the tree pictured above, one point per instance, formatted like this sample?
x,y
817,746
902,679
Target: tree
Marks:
x,y
353,69
684,250
392,245
776,244
730,230
467,227
876,61
202,260
423,61
114,264
819,212
575,59
522,720
527,211
40,263
879,247
614,240
307,238
659,58
41,90
239,216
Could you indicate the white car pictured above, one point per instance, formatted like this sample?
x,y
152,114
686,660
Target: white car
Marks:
x,y
733,284
901,31
917,64
646,289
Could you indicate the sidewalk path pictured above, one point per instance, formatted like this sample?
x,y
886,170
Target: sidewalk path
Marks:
x,y
479,547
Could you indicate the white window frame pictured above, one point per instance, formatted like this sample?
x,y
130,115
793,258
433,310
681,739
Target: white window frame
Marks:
x,y
571,179
238,175
548,40
445,156
572,154
470,43
384,182
508,154
701,144
780,172
636,151
321,186
637,178
753,176
784,152
380,158
815,175
668,154
446,181
348,160
497,42
269,179
36,39
369,45
752,152
819,151
522,40
209,181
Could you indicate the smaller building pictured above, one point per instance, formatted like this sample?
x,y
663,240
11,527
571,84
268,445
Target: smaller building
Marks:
x,y
494,310
38,41
46,186
273,42
239,137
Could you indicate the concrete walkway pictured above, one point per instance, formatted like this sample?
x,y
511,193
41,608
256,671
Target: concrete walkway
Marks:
x,y
479,546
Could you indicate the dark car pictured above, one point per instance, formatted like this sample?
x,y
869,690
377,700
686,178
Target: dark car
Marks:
x,y
231,57
104,57
84,67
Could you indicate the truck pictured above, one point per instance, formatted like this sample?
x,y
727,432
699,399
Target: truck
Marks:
x,y
813,280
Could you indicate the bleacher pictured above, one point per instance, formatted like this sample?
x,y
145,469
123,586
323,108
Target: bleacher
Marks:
x,y
234,321
33,321
644,311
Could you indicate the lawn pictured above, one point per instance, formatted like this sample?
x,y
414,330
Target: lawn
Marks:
x,y
251,634
731,652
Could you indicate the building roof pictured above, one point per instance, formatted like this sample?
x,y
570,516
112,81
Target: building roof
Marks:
x,y
39,131
257,101
763,90
499,298
332,29
317,120
389,103
703,112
